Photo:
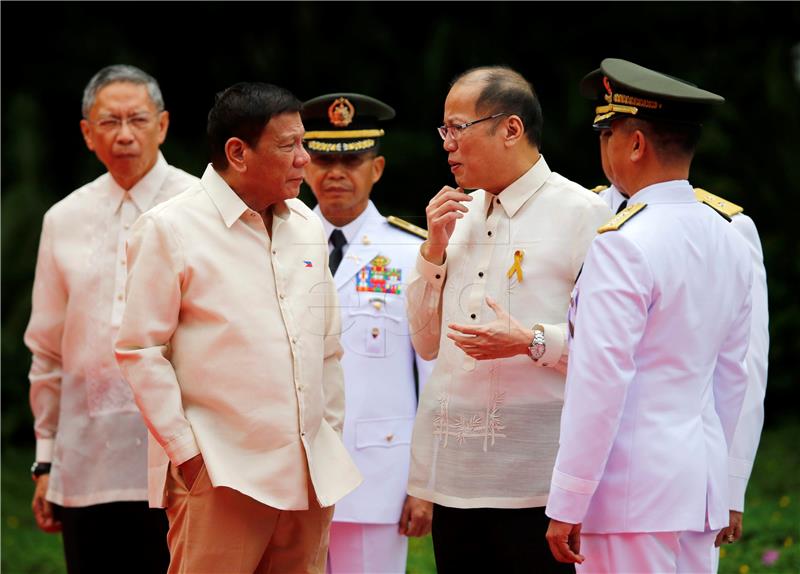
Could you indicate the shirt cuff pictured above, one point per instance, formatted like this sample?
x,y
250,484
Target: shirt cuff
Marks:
x,y
181,449
433,274
555,344
44,449
736,489
569,498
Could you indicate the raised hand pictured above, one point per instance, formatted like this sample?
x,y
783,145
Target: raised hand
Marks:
x,y
442,212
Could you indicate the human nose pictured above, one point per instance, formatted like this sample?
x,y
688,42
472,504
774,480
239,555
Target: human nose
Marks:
x,y
449,143
302,158
125,132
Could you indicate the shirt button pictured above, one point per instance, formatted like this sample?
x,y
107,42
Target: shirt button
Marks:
x,y
274,251
119,297
472,316
480,273
389,437
280,296
438,276
294,340
303,433
490,233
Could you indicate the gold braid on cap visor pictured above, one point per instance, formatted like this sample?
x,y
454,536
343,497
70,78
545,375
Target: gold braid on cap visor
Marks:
x,y
342,134
605,112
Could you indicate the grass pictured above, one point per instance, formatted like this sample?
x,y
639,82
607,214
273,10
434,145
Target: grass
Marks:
x,y
770,544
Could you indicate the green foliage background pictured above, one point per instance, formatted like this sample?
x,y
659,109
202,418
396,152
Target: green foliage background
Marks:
x,y
404,54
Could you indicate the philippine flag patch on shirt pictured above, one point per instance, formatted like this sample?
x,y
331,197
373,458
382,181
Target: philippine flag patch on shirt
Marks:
x,y
308,263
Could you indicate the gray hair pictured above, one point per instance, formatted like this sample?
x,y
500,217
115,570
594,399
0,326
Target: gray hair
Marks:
x,y
120,73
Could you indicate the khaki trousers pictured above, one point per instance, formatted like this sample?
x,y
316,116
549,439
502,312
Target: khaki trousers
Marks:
x,y
222,531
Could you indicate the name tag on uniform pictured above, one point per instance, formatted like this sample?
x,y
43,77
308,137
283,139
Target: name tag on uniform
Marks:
x,y
378,277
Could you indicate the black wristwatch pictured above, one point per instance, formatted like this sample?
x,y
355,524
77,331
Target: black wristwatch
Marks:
x,y
39,468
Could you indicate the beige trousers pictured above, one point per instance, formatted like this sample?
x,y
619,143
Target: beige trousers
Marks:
x,y
222,531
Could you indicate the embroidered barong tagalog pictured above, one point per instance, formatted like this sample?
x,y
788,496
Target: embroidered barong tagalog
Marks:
x,y
378,277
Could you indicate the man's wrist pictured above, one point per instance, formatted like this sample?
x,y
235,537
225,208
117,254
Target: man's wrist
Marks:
x,y
432,254
537,346
39,468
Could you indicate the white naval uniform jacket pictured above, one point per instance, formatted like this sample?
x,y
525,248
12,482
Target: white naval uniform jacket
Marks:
x,y
656,375
378,364
748,429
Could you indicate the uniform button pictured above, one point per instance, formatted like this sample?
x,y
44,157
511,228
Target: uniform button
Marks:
x,y
274,251
300,388
497,200
389,437
280,295
119,297
303,434
472,316
294,340
480,273
438,276
490,233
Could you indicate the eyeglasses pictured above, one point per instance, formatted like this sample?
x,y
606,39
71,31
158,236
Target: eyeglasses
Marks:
x,y
455,131
137,122
349,161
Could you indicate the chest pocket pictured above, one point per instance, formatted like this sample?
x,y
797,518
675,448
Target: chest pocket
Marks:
x,y
374,327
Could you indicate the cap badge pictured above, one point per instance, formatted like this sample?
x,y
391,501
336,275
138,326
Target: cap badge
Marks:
x,y
341,112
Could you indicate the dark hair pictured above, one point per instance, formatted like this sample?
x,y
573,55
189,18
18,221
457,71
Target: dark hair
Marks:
x,y
508,91
243,111
671,140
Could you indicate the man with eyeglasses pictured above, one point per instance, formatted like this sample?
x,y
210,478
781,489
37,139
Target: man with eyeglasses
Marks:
x,y
370,257
91,442
489,299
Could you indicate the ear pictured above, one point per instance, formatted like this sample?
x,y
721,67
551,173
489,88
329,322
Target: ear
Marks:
x,y
235,149
163,124
638,146
515,130
86,130
378,164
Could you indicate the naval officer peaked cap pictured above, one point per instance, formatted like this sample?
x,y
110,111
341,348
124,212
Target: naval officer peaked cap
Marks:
x,y
624,89
344,123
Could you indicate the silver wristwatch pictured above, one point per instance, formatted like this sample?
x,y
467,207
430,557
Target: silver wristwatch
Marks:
x,y
537,347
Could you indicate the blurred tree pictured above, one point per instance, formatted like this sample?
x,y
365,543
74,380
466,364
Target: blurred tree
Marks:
x,y
405,54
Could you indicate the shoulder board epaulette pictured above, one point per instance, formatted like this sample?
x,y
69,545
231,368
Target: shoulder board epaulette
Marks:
x,y
622,217
406,226
599,188
721,206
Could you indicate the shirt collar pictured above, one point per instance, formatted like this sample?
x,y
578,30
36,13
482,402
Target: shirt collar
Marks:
x,y
515,195
675,191
351,230
230,206
144,193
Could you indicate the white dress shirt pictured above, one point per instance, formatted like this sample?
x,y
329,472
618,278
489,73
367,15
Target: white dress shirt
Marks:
x,y
748,429
230,341
657,375
486,432
86,421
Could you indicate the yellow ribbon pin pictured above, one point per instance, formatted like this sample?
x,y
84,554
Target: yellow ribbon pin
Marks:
x,y
517,266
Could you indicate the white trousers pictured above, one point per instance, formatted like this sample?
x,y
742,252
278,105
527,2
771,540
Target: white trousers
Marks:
x,y
648,553
366,548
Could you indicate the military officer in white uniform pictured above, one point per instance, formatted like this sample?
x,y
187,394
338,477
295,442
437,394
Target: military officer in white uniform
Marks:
x,y
371,257
660,326
751,419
